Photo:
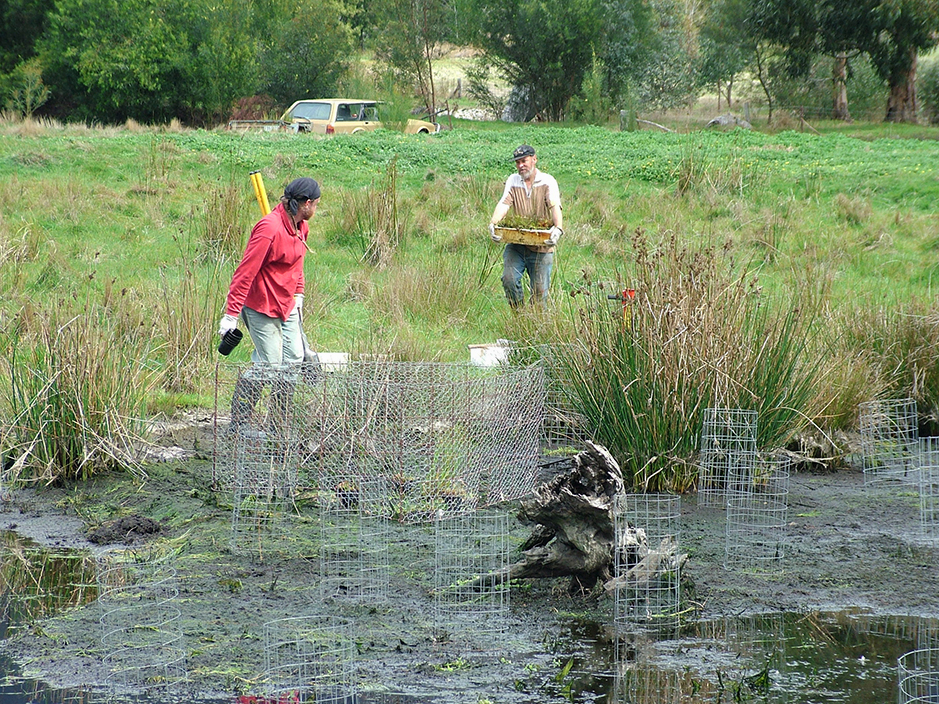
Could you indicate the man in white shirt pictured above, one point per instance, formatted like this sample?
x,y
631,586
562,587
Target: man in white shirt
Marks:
x,y
531,194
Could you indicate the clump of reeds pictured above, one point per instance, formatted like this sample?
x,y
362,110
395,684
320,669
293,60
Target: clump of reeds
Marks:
x,y
374,219
699,333
78,378
901,344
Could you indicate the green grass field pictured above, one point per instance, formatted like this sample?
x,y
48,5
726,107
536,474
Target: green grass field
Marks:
x,y
145,226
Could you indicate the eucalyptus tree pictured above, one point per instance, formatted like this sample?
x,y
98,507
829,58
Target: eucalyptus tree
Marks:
x,y
726,47
891,32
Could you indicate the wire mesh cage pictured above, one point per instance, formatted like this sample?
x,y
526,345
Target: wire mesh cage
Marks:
x,y
889,439
262,498
728,445
354,541
452,433
929,488
141,635
471,588
646,561
261,415
640,683
562,424
309,659
757,511
918,676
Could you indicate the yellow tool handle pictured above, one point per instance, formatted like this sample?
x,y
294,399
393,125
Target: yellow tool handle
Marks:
x,y
259,192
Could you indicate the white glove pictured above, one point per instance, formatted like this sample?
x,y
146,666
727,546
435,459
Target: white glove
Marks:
x,y
492,233
554,234
298,297
228,322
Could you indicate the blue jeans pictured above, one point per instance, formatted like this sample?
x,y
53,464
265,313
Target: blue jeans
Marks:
x,y
516,260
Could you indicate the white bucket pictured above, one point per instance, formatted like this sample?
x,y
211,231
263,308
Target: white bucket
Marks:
x,y
488,355
333,361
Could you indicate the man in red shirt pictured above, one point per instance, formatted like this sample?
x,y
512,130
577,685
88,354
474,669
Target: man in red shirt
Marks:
x,y
266,292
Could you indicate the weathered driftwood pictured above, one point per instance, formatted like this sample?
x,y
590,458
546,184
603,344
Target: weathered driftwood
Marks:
x,y
573,519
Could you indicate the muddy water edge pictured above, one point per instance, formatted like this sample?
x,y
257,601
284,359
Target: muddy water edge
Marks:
x,y
857,587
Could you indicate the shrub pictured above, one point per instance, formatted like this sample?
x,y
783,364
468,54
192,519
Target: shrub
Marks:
x,y
77,387
698,334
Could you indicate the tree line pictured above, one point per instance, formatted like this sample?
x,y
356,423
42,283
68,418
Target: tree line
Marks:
x,y
203,61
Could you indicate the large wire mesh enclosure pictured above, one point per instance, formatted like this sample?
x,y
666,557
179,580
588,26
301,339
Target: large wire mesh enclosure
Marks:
x,y
929,488
141,635
442,435
918,675
757,511
354,541
889,439
728,445
562,425
309,659
471,586
647,562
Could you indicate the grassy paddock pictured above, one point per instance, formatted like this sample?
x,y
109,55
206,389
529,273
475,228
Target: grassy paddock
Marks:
x,y
837,234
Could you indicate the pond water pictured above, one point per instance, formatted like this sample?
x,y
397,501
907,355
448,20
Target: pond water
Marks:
x,y
847,656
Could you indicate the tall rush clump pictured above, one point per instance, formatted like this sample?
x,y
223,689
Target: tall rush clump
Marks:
x,y
699,333
78,380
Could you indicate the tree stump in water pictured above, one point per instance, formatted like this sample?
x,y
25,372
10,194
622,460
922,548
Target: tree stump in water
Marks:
x,y
573,519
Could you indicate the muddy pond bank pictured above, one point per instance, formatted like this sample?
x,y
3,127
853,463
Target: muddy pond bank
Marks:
x,y
849,547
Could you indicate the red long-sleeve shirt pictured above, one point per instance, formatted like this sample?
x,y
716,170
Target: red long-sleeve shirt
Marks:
x,y
271,270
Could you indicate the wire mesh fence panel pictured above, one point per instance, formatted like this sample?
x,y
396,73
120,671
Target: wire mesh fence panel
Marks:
x,y
261,416
929,488
440,434
471,589
889,439
562,425
141,634
309,659
646,561
728,444
918,676
354,541
757,511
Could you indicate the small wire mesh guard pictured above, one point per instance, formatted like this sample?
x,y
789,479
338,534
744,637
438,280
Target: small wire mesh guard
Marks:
x,y
647,563
757,511
140,621
728,443
309,659
889,439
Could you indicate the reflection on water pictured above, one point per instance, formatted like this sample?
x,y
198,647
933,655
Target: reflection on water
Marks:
x,y
811,658
846,657
39,582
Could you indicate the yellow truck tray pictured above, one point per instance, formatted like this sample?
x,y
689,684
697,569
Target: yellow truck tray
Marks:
x,y
515,235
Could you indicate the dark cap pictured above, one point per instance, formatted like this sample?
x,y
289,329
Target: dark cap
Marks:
x,y
298,191
523,151
302,189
